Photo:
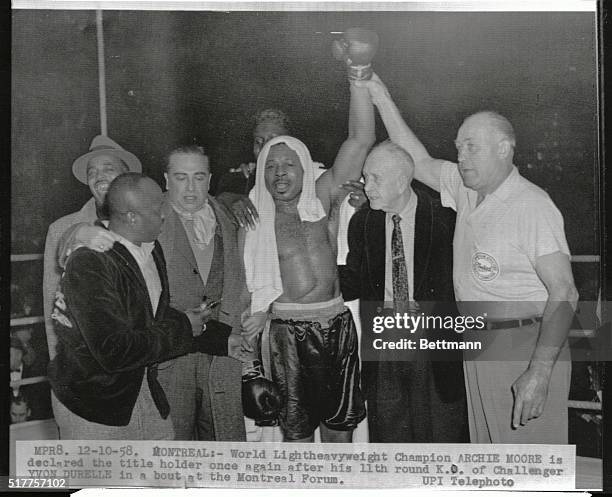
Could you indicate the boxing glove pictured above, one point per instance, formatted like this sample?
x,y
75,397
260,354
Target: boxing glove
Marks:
x,y
357,48
261,398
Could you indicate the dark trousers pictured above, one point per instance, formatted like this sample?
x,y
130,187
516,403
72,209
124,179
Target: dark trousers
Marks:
x,y
405,407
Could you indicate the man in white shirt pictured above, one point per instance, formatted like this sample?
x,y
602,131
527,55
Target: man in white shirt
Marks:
x,y
511,259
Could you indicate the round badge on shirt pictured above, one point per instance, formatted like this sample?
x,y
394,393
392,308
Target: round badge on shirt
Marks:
x,y
484,266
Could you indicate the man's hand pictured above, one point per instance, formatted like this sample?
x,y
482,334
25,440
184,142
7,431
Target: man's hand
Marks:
x,y
357,197
530,391
254,324
245,169
198,317
235,348
245,213
378,90
95,238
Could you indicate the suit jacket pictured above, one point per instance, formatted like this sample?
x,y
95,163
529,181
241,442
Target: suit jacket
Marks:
x,y
108,334
186,291
52,271
363,277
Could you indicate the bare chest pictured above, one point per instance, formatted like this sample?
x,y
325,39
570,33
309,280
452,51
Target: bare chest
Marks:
x,y
296,237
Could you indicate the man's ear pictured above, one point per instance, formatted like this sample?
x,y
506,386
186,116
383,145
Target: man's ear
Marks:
x,y
166,176
131,217
404,182
504,148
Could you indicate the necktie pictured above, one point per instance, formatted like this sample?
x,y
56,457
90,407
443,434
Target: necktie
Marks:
x,y
399,274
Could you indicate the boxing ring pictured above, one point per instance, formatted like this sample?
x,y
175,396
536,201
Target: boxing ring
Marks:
x,y
588,470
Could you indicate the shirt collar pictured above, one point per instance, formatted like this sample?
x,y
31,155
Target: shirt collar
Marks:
x,y
506,189
142,253
186,214
204,221
409,208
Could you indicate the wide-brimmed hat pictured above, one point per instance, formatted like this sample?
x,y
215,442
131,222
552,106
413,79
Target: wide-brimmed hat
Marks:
x,y
101,145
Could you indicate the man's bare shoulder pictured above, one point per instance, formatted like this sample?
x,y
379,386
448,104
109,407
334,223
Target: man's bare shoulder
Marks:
x,y
323,185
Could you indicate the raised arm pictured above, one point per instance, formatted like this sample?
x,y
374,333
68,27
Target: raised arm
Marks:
x,y
427,169
351,156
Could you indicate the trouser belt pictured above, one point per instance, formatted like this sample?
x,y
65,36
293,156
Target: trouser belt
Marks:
x,y
512,323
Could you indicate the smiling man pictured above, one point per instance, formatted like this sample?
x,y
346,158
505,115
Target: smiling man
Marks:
x,y
115,325
97,169
290,262
199,240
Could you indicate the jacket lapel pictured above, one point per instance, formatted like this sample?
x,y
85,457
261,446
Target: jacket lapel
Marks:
x,y
160,263
422,240
374,232
176,236
222,226
133,269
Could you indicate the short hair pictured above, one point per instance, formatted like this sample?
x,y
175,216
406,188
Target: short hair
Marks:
x,y
394,149
501,124
273,116
184,149
114,202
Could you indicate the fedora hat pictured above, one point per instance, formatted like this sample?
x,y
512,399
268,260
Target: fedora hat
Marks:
x,y
103,145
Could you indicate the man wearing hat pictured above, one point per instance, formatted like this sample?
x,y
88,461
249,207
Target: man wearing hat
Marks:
x,y
105,161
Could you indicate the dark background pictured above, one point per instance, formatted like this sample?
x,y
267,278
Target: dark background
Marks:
x,y
184,77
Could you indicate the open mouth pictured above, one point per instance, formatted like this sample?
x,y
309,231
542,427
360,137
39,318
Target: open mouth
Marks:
x,y
102,187
281,186
190,199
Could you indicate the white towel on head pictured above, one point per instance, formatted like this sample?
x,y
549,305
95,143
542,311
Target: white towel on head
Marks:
x,y
260,251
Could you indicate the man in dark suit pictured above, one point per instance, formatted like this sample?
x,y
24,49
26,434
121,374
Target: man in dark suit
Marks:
x,y
411,397
115,325
201,249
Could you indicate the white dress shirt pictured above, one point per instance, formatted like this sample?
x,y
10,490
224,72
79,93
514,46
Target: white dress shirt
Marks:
x,y
146,263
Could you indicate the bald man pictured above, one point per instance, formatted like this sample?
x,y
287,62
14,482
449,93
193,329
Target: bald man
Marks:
x,y
400,254
511,264
115,325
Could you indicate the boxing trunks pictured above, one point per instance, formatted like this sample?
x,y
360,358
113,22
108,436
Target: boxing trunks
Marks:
x,y
313,358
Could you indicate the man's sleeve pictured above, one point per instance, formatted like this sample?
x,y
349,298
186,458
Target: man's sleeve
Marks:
x,y
450,184
91,293
350,274
214,340
67,243
541,224
51,279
